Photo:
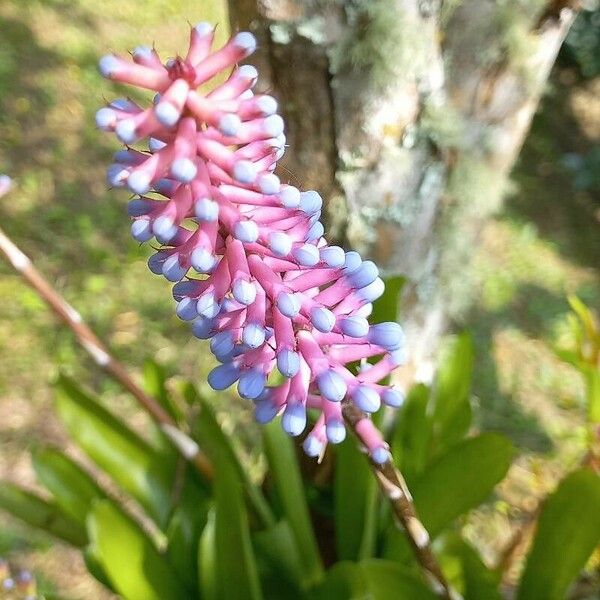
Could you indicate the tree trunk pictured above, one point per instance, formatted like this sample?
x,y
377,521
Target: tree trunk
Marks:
x,y
407,116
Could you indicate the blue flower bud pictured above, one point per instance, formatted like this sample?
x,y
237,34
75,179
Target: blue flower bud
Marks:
x,y
186,309
288,362
354,326
125,131
108,65
312,446
245,41
273,126
335,431
288,304
246,231
229,124
269,184
223,376
141,230
352,262
244,291
105,118
306,255
155,145
371,292
156,261
366,398
290,197
184,170
251,384
222,343
280,243
138,207
139,182
253,335
310,202
293,420
365,274
208,306
206,210
202,260
322,318
172,270
182,289
332,385
264,411
393,397
166,113
164,228
333,256
202,328
387,335
244,171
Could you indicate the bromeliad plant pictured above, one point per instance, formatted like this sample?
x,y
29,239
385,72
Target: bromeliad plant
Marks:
x,y
286,315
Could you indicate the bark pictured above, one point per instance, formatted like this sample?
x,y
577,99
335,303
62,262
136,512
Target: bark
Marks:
x,y
407,115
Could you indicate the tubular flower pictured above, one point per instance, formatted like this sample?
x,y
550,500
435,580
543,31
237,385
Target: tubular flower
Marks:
x,y
253,272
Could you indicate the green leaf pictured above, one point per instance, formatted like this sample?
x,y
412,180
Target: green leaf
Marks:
x,y
412,434
461,479
129,558
568,531
451,393
41,514
385,308
218,447
207,560
128,459
279,562
465,570
289,490
73,488
355,498
237,575
183,536
155,380
373,579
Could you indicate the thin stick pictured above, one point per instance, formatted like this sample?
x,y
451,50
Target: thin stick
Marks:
x,y
102,357
394,488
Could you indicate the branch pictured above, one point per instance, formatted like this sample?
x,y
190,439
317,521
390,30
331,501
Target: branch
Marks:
x,y
394,487
102,357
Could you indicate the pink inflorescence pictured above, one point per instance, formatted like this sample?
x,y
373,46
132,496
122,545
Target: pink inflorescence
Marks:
x,y
254,273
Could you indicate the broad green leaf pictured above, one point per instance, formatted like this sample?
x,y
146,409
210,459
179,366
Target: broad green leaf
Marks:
x,y
73,488
121,453
461,479
568,531
412,434
41,514
237,574
279,562
373,579
451,393
355,498
207,560
386,307
218,447
289,490
129,558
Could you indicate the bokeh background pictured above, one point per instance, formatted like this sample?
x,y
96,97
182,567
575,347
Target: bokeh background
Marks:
x,y
544,245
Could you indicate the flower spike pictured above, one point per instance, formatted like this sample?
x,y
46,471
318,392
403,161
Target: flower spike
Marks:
x,y
252,271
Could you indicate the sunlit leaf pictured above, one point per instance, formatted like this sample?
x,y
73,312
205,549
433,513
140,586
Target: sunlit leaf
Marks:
x,y
129,558
128,459
73,488
41,514
568,531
